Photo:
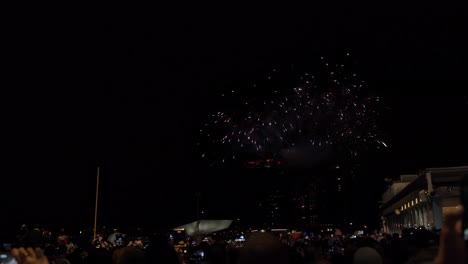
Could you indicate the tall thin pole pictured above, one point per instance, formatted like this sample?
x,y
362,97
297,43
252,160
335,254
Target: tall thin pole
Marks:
x,y
198,237
197,227
198,206
96,205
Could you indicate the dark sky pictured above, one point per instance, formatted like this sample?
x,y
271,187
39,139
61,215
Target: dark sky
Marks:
x,y
130,91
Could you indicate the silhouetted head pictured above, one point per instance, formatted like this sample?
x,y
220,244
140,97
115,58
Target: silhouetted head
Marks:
x,y
160,251
129,255
367,255
263,248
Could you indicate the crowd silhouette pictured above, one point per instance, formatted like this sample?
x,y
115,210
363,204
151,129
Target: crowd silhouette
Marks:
x,y
37,246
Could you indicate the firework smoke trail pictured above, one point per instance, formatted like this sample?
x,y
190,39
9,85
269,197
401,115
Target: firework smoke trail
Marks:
x,y
330,107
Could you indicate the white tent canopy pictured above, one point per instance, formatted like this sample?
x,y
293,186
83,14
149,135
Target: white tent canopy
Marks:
x,y
205,226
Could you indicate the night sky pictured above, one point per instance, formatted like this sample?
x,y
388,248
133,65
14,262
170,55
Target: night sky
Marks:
x,y
130,92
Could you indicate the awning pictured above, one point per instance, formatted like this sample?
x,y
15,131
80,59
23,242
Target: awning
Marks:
x,y
205,226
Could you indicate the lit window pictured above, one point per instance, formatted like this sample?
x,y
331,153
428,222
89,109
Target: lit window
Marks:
x,y
416,201
401,208
412,203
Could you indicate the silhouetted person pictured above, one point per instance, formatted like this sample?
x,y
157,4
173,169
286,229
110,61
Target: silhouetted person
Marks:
x,y
128,255
22,235
398,249
36,237
367,255
160,251
263,248
217,253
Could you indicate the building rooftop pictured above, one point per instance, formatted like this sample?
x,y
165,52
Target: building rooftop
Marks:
x,y
409,183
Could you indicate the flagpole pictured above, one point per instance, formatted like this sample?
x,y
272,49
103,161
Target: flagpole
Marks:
x,y
96,205
198,205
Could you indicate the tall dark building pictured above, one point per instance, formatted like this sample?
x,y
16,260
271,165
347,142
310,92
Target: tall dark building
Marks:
x,y
333,201
275,209
300,197
306,204
273,198
320,196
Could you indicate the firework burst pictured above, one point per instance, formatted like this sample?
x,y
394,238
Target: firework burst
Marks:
x,y
328,108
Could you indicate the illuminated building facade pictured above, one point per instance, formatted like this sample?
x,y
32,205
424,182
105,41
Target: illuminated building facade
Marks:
x,y
421,200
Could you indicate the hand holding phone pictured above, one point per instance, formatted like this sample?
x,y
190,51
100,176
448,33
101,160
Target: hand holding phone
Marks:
x,y
452,247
